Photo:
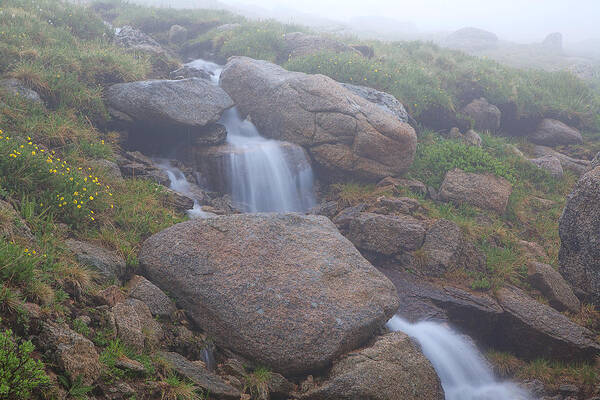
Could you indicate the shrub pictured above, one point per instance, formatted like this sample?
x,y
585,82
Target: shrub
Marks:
x,y
20,374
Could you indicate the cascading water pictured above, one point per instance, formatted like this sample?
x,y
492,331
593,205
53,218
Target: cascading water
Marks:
x,y
464,373
179,183
263,174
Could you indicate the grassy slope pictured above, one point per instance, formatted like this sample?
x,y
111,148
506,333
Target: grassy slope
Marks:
x,y
65,54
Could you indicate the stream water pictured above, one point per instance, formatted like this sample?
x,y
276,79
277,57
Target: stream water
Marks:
x,y
464,373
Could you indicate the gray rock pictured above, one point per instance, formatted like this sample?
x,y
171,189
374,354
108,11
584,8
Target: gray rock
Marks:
x,y
485,115
178,34
471,40
298,44
189,71
485,191
412,185
549,163
108,168
109,264
71,352
135,325
553,286
157,301
201,377
18,88
446,248
393,368
268,286
579,230
595,162
385,101
385,234
186,104
347,136
574,165
551,132
134,39
472,138
328,209
12,226
178,201
130,365
402,205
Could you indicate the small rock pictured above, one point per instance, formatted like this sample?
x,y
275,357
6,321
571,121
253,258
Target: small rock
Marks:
x,y
455,134
532,251
33,310
12,225
553,286
279,387
568,390
17,88
109,168
403,205
577,166
109,296
233,367
485,115
134,39
177,34
344,217
135,325
129,364
328,209
472,138
109,264
549,163
410,184
551,132
157,301
178,201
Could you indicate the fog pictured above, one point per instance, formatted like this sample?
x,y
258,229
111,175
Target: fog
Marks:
x,y
515,20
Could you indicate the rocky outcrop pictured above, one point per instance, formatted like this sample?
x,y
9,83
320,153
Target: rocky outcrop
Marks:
x,y
71,352
135,325
579,230
553,286
109,264
177,34
345,135
157,301
186,104
200,376
17,88
136,165
385,101
445,248
393,368
298,44
549,163
385,234
485,191
486,116
471,40
554,41
551,132
534,330
247,279
134,39
574,165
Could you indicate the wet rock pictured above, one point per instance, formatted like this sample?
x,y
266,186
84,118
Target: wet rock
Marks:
x,y
275,309
157,301
134,39
298,44
109,264
551,132
201,377
178,34
393,368
344,217
178,201
485,115
186,104
446,248
549,163
135,325
574,165
213,135
385,234
71,352
349,136
328,209
136,165
472,138
553,286
579,230
18,88
385,101
189,71
534,330
485,191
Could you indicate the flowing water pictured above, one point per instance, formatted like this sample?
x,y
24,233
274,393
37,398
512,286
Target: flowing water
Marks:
x,y
464,373
179,183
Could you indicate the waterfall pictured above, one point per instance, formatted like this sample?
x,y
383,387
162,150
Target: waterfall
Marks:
x,y
263,174
179,183
464,373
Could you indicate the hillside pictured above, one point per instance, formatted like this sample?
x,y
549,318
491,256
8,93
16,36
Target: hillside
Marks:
x,y
427,184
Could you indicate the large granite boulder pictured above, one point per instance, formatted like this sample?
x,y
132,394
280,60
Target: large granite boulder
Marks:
x,y
471,40
298,44
551,132
579,230
486,116
485,191
346,135
393,368
187,104
286,290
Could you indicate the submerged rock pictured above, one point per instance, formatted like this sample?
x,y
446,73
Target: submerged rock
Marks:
x,y
346,135
286,290
485,191
551,132
392,368
579,230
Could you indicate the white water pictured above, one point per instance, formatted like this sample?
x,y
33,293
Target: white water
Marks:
x,y
213,69
464,373
179,183
263,174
